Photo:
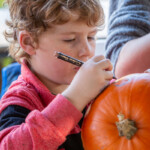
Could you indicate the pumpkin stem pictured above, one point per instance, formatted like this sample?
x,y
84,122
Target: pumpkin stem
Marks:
x,y
126,127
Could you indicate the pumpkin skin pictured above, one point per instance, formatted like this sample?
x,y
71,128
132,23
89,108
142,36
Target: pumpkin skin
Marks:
x,y
130,96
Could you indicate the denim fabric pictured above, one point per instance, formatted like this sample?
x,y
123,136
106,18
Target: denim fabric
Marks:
x,y
9,74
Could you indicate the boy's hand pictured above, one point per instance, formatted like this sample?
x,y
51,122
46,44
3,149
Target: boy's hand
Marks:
x,y
89,81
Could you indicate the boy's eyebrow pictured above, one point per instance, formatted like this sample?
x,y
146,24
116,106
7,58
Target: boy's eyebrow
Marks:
x,y
93,31
68,33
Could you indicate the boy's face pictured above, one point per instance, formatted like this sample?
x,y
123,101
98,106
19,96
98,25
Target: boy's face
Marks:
x,y
75,39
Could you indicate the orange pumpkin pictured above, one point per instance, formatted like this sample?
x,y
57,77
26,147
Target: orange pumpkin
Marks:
x,y
129,99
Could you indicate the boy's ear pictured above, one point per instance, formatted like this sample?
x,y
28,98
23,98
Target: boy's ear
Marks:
x,y
26,42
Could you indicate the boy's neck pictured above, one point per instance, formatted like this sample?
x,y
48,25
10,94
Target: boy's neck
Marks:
x,y
57,89
54,88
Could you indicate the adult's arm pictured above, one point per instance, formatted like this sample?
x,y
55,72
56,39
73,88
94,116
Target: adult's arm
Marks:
x,y
134,57
129,20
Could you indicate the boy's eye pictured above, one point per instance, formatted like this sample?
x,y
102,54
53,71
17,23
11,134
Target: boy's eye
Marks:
x,y
69,40
91,37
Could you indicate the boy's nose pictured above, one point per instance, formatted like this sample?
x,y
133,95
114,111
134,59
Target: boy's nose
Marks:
x,y
85,49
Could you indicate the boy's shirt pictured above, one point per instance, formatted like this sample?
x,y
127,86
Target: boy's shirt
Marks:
x,y
33,118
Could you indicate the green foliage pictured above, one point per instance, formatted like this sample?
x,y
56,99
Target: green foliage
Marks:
x,y
5,61
1,3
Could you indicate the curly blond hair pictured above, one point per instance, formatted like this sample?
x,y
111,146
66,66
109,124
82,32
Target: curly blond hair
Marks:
x,y
35,16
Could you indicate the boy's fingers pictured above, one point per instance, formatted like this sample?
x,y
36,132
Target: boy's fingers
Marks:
x,y
108,75
98,58
106,65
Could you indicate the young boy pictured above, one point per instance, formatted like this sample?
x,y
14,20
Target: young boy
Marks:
x,y
42,109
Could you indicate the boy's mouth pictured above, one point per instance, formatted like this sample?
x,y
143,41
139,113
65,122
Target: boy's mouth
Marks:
x,y
76,68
